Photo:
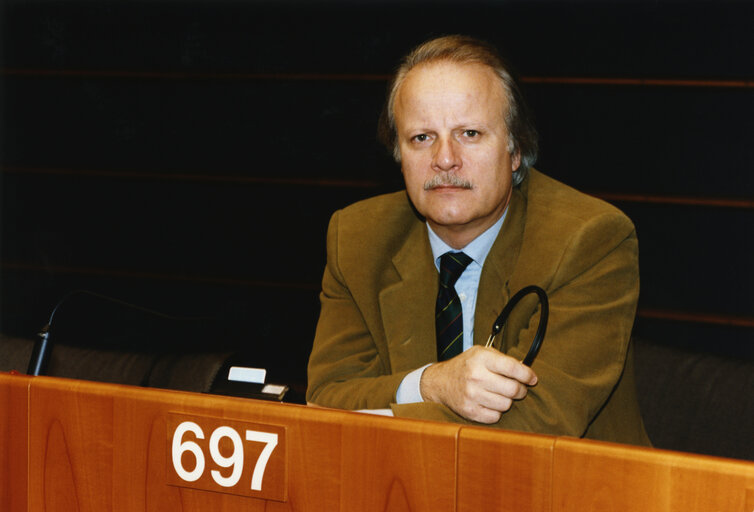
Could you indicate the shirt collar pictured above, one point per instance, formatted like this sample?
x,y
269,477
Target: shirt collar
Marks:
x,y
477,249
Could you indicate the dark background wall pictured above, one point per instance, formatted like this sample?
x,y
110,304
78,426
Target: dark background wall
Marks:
x,y
186,156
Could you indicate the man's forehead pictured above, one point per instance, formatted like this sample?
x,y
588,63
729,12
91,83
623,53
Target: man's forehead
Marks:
x,y
445,81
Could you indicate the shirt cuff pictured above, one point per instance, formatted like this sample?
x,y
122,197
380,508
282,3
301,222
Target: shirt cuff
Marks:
x,y
378,412
409,391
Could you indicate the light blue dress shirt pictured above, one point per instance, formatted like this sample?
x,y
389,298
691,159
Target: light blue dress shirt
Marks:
x,y
466,288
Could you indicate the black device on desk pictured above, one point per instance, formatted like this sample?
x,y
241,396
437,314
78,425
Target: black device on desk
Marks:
x,y
248,383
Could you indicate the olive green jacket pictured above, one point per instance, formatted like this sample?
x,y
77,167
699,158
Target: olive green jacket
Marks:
x,y
378,301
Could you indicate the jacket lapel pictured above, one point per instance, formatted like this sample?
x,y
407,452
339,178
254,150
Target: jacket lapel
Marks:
x,y
408,304
499,267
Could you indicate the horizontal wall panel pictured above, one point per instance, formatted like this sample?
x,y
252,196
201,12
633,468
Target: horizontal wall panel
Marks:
x,y
651,140
667,141
273,129
695,259
573,38
264,233
725,341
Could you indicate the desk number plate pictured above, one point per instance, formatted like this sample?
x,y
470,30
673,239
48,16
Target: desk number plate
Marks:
x,y
228,456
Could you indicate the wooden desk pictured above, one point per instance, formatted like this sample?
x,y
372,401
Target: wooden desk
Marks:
x,y
14,427
81,446
601,476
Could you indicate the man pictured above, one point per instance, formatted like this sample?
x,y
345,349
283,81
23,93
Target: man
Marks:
x,y
472,208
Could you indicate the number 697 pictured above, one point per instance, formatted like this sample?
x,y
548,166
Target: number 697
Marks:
x,y
235,460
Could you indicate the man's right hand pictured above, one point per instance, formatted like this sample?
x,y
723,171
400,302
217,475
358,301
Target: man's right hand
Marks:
x,y
479,384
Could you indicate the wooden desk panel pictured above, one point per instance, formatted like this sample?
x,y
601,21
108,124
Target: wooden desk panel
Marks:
x,y
593,476
313,447
505,471
398,465
70,446
13,442
102,447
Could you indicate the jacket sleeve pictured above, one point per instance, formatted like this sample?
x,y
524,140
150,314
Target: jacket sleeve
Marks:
x,y
346,369
593,288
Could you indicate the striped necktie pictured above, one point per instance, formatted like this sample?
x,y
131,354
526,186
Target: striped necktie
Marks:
x,y
448,314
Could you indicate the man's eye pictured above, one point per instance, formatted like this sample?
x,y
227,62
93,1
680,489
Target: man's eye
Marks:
x,y
471,133
422,137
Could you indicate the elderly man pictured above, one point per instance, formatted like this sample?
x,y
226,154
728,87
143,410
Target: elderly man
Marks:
x,y
414,280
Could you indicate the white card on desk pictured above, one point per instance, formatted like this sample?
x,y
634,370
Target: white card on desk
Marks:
x,y
243,374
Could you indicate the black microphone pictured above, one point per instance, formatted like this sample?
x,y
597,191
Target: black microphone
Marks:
x,y
40,355
91,315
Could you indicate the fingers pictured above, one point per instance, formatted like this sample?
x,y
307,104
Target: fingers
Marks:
x,y
495,402
505,387
509,367
487,408
482,415
481,406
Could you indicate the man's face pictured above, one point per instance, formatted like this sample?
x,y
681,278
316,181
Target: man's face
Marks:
x,y
454,147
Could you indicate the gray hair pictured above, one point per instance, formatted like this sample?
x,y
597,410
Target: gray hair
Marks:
x,y
522,136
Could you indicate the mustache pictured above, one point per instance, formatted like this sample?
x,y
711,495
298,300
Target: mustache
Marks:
x,y
447,179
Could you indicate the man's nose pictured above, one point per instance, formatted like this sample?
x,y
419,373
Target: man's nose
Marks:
x,y
446,156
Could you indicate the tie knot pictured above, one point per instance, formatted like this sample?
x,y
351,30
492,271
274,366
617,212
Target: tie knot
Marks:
x,y
452,265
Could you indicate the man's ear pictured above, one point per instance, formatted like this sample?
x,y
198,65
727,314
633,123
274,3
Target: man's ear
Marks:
x,y
515,161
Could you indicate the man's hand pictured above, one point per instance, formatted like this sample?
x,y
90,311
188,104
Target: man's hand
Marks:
x,y
480,384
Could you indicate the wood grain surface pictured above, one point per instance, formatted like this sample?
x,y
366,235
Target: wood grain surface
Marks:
x,y
13,442
112,441
506,471
102,447
398,465
593,476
